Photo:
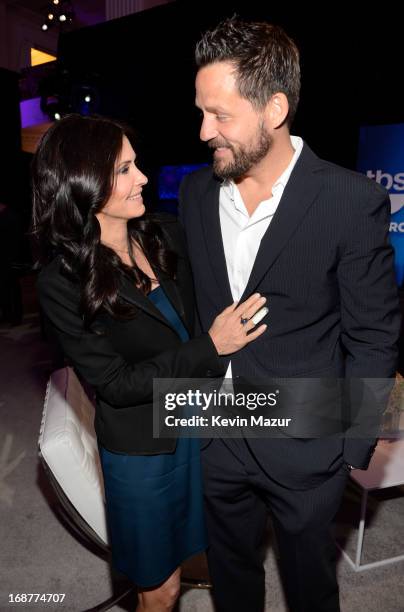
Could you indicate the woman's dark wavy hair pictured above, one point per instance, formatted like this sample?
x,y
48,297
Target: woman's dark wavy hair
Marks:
x,y
73,177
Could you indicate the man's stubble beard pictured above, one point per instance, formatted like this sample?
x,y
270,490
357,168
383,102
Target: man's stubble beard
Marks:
x,y
243,158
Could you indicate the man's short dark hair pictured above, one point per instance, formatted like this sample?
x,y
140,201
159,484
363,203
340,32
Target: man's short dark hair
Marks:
x,y
266,60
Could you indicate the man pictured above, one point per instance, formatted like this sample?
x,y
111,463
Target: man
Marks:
x,y
312,238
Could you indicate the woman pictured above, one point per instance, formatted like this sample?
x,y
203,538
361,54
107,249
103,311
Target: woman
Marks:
x,y
117,293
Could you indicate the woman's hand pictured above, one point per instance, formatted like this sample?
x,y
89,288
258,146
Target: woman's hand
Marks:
x,y
229,329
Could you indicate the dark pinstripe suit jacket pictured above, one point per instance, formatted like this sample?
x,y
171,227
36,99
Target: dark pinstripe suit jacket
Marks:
x,y
326,267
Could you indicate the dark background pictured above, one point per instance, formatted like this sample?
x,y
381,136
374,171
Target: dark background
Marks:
x,y
141,69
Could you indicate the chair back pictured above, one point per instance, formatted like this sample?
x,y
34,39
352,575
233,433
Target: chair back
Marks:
x,y
68,446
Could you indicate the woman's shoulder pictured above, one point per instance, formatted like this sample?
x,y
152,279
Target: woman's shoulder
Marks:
x,y
51,279
49,271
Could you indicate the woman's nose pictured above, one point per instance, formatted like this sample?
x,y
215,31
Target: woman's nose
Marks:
x,y
141,179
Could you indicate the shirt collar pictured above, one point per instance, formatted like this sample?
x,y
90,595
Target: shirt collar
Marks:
x,y
297,144
228,185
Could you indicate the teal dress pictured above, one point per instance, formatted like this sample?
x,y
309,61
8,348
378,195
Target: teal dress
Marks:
x,y
154,502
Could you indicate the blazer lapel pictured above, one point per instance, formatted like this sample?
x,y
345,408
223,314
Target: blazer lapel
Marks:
x,y
300,192
214,241
131,294
171,290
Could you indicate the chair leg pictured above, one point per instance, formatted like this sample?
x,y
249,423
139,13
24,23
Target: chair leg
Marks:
x,y
111,601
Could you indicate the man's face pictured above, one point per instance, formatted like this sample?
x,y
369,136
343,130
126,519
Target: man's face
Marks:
x,y
231,126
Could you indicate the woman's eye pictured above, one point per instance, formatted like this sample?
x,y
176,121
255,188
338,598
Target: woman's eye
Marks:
x,y
124,170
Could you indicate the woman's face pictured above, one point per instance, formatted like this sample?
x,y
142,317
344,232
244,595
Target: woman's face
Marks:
x,y
125,201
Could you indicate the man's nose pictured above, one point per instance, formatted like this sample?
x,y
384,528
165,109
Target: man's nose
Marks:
x,y
208,129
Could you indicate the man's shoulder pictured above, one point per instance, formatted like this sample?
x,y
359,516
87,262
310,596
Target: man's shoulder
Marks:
x,y
199,179
202,174
338,179
349,181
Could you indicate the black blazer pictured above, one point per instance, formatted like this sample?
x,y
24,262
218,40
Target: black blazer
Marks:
x,y
121,363
326,267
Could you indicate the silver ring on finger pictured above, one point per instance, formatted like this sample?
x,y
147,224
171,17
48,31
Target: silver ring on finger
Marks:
x,y
244,320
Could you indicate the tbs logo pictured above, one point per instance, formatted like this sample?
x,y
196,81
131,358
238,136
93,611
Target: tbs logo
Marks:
x,y
395,184
389,181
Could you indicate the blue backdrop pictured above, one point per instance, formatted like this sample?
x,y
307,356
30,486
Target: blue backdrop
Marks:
x,y
381,157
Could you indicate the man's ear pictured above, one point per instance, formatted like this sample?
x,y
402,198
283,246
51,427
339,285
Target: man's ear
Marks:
x,y
277,110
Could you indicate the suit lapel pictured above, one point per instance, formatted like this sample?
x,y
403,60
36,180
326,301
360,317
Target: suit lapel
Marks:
x,y
300,192
213,239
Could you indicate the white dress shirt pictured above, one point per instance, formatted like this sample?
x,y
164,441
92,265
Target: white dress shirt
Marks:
x,y
242,234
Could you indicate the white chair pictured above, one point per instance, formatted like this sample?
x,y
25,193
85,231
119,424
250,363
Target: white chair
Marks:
x,y
386,470
69,453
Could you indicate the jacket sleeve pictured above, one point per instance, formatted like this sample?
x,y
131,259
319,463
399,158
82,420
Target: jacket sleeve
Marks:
x,y
370,325
116,381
